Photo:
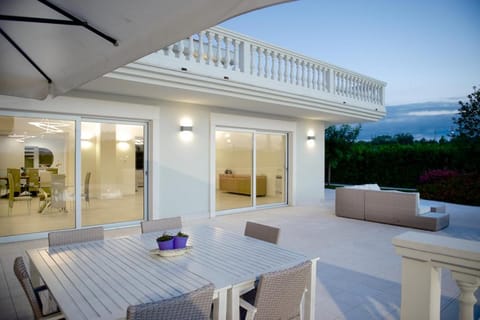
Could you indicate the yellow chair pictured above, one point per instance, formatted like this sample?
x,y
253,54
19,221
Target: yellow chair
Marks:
x,y
33,180
17,188
12,198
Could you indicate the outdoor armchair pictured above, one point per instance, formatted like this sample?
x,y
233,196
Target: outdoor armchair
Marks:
x,y
43,305
161,224
279,294
60,238
193,305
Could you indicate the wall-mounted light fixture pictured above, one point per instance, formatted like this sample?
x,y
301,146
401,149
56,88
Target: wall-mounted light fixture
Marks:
x,y
186,128
310,138
310,135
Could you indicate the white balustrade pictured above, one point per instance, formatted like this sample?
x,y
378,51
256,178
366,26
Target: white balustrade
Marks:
x,y
220,48
423,256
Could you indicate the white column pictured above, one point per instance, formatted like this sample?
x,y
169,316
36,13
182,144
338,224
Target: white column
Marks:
x,y
468,284
421,290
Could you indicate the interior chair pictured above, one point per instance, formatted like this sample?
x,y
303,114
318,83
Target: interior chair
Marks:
x,y
33,180
86,188
43,305
17,187
161,224
45,178
262,232
279,294
193,305
11,195
60,238
57,197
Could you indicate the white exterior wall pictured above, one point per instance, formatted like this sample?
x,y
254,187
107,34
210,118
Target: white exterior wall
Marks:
x,y
180,174
310,160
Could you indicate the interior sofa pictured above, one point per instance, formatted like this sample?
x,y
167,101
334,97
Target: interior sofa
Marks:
x,y
368,202
240,183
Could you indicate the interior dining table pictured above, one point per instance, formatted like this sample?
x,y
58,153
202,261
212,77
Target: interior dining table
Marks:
x,y
100,279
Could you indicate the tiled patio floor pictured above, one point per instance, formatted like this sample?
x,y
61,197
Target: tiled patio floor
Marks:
x,y
358,273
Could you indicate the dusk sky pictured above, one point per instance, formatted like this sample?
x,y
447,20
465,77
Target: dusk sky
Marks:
x,y
426,50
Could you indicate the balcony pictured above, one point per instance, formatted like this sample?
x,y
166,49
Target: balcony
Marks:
x,y
222,68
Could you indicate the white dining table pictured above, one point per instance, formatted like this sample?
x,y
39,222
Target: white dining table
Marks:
x,y
100,279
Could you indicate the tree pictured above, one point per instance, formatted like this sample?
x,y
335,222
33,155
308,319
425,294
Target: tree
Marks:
x,y
338,142
468,121
404,138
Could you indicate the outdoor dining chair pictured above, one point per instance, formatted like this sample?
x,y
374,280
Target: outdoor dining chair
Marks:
x,y
193,305
43,305
60,238
262,232
161,224
278,295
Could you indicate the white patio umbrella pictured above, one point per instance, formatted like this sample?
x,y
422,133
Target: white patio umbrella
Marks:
x,y
53,46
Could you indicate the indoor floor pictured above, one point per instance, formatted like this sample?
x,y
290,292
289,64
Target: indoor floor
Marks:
x,y
22,220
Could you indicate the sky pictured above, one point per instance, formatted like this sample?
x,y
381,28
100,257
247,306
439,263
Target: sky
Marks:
x,y
426,50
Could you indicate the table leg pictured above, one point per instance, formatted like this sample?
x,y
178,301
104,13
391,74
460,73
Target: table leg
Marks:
x,y
233,297
220,304
310,294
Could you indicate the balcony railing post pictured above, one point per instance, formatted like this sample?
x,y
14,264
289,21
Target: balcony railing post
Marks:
x,y
330,80
423,257
421,290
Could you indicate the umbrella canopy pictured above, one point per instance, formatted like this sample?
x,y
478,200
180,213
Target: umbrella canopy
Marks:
x,y
53,46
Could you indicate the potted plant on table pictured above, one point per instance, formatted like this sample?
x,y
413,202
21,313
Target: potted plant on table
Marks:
x,y
180,240
165,242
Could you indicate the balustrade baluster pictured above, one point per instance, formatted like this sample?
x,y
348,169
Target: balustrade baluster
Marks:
x,y
201,36
265,67
272,71
309,75
280,63
468,284
189,52
285,71
227,52
259,61
218,50
210,48
291,71
297,71
236,52
169,51
302,64
180,50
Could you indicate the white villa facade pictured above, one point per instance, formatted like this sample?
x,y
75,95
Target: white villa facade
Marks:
x,y
180,132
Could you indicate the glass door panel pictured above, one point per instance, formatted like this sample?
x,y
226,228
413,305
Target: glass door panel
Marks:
x,y
37,175
271,167
234,169
112,172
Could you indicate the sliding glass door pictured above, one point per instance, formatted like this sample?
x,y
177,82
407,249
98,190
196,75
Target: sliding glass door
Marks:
x,y
112,172
243,154
37,174
271,166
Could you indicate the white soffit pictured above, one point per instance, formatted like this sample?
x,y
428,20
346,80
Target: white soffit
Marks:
x,y
71,55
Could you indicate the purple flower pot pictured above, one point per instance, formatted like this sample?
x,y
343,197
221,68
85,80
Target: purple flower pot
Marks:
x,y
165,245
180,242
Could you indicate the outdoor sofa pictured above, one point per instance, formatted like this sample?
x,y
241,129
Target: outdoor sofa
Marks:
x,y
368,202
